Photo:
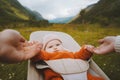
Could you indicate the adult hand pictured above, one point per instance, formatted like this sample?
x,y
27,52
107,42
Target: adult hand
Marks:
x,y
106,45
14,48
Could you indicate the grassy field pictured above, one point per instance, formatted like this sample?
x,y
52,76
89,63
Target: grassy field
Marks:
x,y
83,34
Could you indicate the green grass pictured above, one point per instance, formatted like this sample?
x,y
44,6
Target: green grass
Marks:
x,y
83,34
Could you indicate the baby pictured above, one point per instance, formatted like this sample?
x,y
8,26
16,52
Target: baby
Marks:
x,y
53,49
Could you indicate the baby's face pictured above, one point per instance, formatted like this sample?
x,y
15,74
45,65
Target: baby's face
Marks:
x,y
54,46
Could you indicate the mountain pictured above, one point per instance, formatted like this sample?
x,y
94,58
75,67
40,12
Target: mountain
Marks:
x,y
34,14
76,18
104,12
12,11
61,20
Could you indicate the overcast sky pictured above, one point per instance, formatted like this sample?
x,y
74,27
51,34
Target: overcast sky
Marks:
x,y
51,9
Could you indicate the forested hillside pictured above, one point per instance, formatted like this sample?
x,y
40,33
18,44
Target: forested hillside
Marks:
x,y
11,12
104,12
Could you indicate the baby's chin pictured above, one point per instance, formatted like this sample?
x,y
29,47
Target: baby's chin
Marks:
x,y
56,51
53,51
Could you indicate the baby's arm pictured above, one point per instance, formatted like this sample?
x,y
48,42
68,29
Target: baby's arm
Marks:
x,y
85,52
42,55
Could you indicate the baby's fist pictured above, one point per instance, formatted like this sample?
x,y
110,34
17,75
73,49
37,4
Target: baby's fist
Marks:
x,y
89,48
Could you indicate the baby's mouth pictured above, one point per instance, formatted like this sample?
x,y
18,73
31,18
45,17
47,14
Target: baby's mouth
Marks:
x,y
56,51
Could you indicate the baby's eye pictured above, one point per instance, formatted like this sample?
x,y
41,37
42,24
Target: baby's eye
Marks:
x,y
50,46
57,44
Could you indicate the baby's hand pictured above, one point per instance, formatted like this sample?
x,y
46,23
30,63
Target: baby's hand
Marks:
x,y
34,44
31,49
89,48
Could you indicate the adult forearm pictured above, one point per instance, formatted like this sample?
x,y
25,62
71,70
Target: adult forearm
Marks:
x,y
117,44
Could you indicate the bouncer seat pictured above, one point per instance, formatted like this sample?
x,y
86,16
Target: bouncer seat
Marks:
x,y
70,44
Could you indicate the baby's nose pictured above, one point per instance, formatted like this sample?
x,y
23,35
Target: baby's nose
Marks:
x,y
55,48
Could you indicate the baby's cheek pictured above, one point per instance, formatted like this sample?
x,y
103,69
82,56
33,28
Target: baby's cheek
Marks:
x,y
49,50
63,49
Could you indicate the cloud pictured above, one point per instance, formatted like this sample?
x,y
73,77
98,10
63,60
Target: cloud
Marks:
x,y
51,9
